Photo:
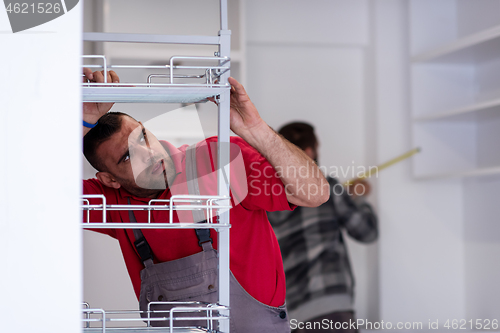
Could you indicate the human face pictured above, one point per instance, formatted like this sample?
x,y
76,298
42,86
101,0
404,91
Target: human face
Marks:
x,y
143,171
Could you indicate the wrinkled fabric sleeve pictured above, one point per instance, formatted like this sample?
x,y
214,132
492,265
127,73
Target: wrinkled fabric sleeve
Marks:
x,y
357,217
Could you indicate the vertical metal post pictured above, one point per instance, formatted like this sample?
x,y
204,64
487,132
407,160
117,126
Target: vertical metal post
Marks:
x,y
223,189
223,167
223,15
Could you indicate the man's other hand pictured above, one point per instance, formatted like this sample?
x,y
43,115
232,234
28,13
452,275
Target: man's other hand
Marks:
x,y
359,188
244,115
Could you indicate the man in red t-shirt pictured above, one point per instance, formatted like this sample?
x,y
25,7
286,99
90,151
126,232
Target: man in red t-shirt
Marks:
x,y
255,258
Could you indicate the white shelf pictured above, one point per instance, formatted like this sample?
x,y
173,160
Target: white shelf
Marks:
x,y
145,330
462,111
157,94
461,174
99,320
455,88
93,225
195,80
479,46
206,203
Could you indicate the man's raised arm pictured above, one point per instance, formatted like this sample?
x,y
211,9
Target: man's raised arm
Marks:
x,y
307,188
93,111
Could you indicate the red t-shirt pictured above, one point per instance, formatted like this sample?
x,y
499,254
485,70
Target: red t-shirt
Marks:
x,y
255,257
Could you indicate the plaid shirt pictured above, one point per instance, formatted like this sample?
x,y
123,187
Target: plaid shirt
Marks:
x,y
314,254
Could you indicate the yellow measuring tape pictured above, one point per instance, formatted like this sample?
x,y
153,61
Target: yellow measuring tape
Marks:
x,y
382,166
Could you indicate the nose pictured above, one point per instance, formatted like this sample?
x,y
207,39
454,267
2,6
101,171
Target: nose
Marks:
x,y
144,154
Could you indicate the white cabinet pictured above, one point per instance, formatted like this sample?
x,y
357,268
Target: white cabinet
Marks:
x,y
455,112
455,86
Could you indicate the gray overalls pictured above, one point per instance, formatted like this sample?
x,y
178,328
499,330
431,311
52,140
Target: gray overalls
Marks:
x,y
195,278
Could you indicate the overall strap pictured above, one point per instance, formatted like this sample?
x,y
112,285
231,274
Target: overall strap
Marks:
x,y
204,239
141,244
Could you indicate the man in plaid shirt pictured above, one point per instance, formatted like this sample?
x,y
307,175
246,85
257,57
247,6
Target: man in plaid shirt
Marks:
x,y
319,279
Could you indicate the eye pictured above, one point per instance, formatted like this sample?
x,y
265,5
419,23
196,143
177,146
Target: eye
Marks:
x,y
126,157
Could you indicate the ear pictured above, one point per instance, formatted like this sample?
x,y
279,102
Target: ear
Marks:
x,y
107,179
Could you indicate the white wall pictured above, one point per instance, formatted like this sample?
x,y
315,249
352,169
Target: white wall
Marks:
x,y
307,61
40,186
482,248
422,271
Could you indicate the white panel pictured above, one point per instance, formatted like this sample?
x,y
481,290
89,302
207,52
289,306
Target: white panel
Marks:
x,y
447,147
482,232
365,264
308,21
474,16
482,211
421,249
488,138
441,87
482,276
40,146
432,23
107,284
488,79
235,8
328,94
421,263
187,17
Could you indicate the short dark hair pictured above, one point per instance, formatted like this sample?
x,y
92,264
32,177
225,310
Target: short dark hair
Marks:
x,y
106,126
300,134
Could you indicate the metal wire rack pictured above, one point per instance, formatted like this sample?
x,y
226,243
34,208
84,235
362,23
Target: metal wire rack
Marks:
x,y
189,79
195,80
101,321
209,203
